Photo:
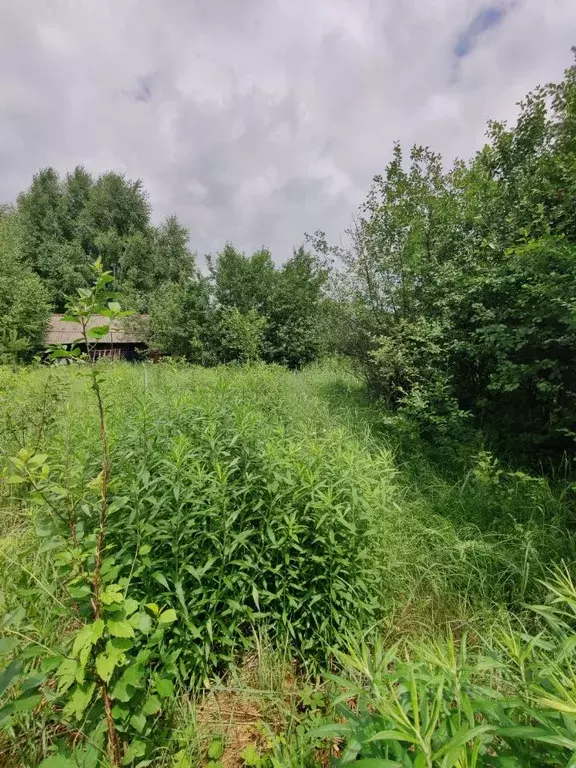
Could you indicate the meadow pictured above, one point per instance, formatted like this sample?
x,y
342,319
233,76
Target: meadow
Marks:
x,y
289,576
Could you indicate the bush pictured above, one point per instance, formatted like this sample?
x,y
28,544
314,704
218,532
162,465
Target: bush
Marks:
x,y
240,335
465,279
179,320
246,525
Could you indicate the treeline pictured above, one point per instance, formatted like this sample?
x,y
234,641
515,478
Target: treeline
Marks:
x,y
247,308
456,296
458,291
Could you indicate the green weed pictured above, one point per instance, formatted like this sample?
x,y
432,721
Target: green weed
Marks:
x,y
277,514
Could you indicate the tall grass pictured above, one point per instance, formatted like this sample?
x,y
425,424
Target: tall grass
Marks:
x,y
247,480
261,502
508,700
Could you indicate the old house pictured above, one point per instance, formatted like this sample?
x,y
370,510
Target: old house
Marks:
x,y
120,343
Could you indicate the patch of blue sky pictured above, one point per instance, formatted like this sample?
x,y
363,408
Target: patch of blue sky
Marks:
x,y
485,19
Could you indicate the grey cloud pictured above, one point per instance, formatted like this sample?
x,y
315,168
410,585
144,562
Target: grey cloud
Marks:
x,y
142,89
257,121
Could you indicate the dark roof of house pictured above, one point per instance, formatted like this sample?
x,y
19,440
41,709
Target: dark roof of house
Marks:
x,y
64,332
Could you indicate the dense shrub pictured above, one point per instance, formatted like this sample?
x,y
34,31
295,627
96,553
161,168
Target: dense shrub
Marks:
x,y
246,525
460,282
240,335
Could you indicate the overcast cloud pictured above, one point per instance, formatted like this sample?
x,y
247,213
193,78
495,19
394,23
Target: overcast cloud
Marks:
x,y
258,120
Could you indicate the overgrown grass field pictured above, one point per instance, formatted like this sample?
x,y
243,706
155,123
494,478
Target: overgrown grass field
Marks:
x,y
286,528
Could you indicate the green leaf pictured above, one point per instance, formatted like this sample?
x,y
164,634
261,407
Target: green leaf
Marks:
x,y
394,735
121,691
138,722
120,628
538,734
105,665
130,605
58,761
141,621
27,702
112,594
120,713
37,460
160,578
331,730
98,331
251,756
10,675
133,674
8,644
215,749
79,701
86,638
118,645
66,674
168,616
78,593
13,617
151,705
165,687
50,663
32,682
461,737
135,749
181,760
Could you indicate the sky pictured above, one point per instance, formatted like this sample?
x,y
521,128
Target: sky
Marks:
x,y
256,121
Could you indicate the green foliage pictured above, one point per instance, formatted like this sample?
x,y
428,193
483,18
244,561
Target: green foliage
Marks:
x,y
45,243
292,335
181,320
228,511
508,702
460,282
173,260
245,310
240,335
243,282
105,675
241,502
268,312
66,224
122,654
24,307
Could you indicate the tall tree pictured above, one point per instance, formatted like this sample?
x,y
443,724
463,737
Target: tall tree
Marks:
x,y
292,334
47,243
474,275
24,301
77,188
182,322
244,282
173,258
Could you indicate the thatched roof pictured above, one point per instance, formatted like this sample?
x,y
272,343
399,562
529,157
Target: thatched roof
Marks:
x,y
61,332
